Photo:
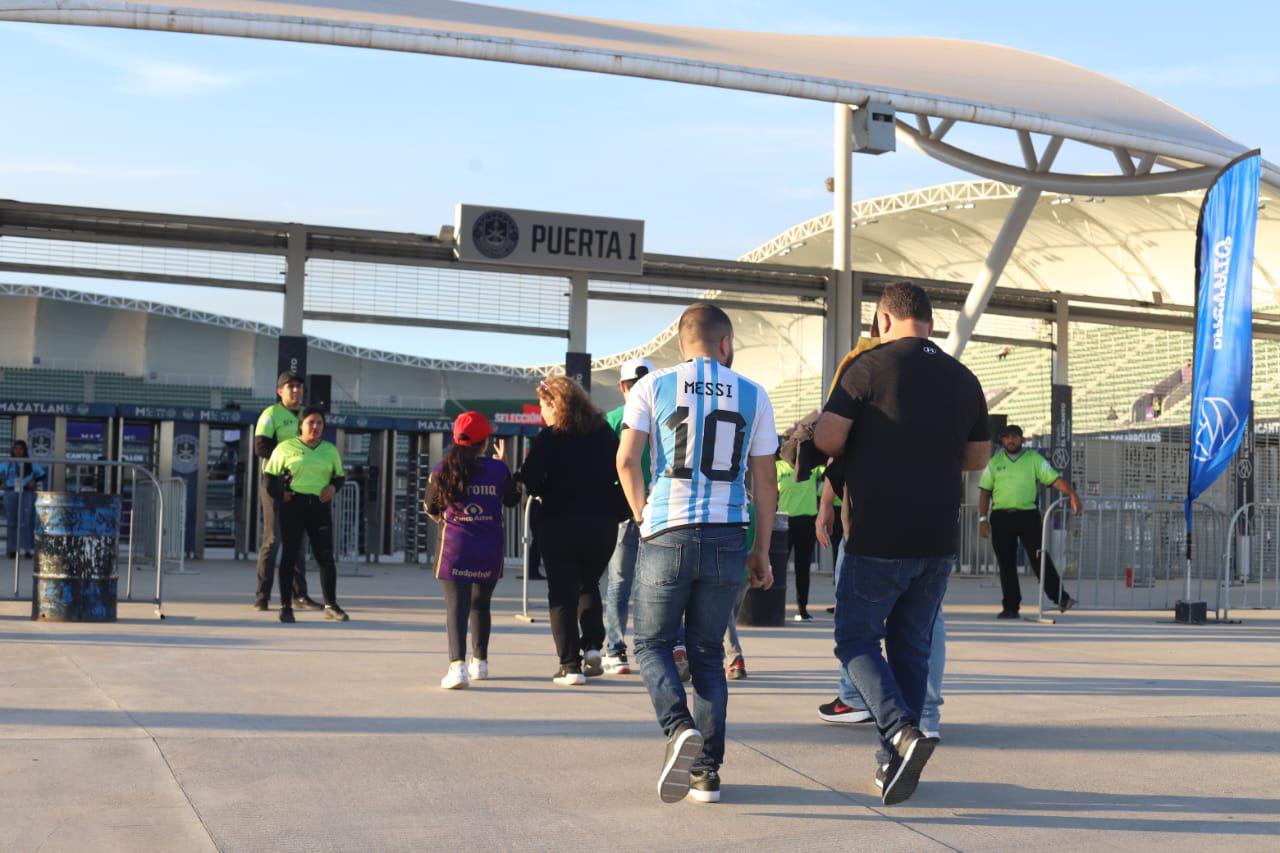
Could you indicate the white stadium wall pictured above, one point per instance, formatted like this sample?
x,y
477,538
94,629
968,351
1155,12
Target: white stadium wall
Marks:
x,y
17,330
84,337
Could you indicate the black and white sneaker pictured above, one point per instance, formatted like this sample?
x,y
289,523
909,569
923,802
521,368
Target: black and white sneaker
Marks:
x,y
333,611
836,711
902,774
704,786
307,603
682,748
567,677
880,774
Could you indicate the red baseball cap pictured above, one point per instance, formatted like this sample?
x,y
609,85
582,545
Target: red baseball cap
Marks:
x,y
471,428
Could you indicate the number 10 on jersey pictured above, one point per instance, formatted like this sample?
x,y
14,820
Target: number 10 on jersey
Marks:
x,y
714,421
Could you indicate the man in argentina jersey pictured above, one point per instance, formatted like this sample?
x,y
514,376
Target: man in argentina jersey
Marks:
x,y
706,428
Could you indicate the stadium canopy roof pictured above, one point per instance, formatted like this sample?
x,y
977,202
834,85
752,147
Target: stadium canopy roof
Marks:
x,y
927,85
1131,247
940,80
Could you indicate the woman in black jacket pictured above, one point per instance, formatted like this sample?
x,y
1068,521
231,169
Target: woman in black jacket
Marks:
x,y
570,468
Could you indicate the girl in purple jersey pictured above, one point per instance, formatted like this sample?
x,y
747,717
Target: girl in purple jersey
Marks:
x,y
467,491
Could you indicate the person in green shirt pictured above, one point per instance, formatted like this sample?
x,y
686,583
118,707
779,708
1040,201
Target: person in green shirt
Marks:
x,y
799,500
1007,513
304,473
277,423
622,565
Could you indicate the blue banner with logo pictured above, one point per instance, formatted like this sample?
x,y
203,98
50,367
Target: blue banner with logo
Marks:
x,y
1224,323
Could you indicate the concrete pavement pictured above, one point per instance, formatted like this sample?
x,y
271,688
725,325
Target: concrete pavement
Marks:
x,y
220,729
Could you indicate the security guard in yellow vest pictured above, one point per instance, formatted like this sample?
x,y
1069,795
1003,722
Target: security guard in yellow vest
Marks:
x,y
1007,513
277,424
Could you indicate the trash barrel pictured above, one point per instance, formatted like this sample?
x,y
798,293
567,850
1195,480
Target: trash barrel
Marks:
x,y
768,607
75,569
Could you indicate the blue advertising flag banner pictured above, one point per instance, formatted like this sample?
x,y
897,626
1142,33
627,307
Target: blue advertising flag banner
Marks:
x,y
1224,323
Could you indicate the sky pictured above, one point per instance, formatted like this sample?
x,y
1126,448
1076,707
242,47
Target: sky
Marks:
x,y
339,136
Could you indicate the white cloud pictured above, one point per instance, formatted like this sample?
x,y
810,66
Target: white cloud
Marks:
x,y
141,76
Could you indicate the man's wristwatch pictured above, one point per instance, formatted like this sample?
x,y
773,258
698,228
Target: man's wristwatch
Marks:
x,y
983,519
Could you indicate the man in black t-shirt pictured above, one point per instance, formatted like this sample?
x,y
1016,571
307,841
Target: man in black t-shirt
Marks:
x,y
903,422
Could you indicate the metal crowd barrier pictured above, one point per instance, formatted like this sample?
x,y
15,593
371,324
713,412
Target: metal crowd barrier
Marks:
x,y
50,463
172,526
523,615
1125,553
1253,547
346,534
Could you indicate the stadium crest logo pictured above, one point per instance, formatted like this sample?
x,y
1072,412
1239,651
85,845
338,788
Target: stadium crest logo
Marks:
x,y
495,234
186,454
1216,425
41,440
83,409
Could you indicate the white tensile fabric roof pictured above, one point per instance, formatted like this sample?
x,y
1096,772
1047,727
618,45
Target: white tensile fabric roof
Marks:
x,y
964,81
1129,247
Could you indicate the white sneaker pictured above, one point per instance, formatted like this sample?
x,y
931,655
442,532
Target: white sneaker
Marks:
x,y
478,669
617,664
456,677
592,665
569,679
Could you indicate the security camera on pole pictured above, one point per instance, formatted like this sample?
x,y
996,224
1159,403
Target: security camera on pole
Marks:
x,y
1224,337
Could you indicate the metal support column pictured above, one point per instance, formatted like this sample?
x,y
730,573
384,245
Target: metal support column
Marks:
x,y
1062,339
295,281
985,284
577,361
846,322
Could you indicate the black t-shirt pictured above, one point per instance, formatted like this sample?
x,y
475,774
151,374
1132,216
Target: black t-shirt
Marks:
x,y
914,408
574,473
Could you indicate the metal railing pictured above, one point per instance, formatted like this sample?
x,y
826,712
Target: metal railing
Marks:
x,y
523,615
1253,546
133,468
346,533
1128,553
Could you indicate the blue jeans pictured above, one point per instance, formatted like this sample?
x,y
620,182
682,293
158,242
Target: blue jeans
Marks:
x,y
622,574
897,602
15,501
930,716
690,575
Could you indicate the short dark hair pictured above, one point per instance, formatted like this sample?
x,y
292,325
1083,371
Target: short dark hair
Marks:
x,y
903,300
17,442
312,410
704,323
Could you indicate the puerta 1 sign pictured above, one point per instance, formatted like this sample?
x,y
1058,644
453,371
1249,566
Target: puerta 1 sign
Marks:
x,y
534,238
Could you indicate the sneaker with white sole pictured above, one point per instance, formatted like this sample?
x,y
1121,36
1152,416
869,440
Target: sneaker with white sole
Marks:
x,y
592,663
837,711
566,677
478,669
911,750
456,678
617,664
932,734
704,786
682,748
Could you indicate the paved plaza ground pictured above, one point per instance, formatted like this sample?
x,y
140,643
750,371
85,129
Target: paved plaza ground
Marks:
x,y
219,728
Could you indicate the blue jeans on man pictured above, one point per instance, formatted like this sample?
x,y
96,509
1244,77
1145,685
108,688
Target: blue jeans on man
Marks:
x,y
897,602
691,575
930,715
622,575
20,513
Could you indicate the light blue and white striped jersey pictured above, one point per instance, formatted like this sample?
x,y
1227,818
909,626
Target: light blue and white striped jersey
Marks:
x,y
703,422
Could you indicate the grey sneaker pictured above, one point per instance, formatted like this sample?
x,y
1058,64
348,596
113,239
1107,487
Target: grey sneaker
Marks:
x,y
682,748
592,663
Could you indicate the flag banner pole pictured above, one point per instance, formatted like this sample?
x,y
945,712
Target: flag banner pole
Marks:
x,y
1222,366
